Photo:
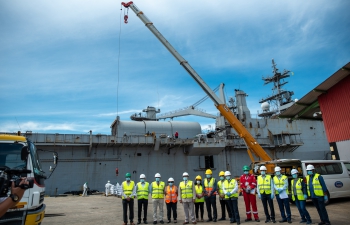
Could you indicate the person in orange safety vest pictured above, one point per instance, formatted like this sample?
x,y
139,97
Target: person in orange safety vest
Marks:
x,y
171,194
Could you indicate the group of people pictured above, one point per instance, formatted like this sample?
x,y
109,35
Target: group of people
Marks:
x,y
193,194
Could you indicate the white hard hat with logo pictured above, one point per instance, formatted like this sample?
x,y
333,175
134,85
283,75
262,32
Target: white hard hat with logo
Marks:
x,y
277,169
157,175
263,168
227,173
294,171
310,167
171,179
185,174
142,176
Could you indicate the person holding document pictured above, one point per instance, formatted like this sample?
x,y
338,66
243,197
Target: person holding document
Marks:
x,y
281,186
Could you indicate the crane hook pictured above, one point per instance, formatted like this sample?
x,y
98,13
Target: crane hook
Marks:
x,y
125,18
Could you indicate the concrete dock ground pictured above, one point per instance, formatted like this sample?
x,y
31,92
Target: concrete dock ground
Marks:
x,y
98,209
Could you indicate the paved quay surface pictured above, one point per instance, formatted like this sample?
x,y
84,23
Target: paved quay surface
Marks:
x,y
98,209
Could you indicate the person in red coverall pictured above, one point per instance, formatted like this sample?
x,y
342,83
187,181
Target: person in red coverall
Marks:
x,y
248,185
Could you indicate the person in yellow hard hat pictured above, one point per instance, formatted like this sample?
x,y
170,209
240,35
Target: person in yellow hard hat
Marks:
x,y
210,187
199,202
223,203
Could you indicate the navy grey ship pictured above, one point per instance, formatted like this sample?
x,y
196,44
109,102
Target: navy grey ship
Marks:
x,y
145,144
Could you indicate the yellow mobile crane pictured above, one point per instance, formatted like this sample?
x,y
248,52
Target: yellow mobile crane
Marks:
x,y
253,146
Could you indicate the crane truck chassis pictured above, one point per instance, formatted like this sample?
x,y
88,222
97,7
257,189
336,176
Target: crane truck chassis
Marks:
x,y
253,146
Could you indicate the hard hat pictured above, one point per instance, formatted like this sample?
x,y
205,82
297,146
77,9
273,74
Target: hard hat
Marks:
x,y
208,171
310,167
171,179
222,173
294,171
142,176
277,169
108,181
227,173
263,168
157,175
185,174
198,177
246,168
127,175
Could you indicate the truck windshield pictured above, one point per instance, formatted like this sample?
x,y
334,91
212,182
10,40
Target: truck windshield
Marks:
x,y
10,156
35,160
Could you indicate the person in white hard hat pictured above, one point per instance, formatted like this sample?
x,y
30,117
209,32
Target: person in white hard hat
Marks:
x,y
299,196
265,191
230,190
171,194
108,188
187,196
142,192
157,191
281,187
317,191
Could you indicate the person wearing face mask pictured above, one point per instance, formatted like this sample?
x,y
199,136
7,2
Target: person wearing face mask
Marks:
x,y
142,191
199,202
299,196
222,201
157,190
265,189
128,194
281,186
210,192
317,191
231,196
171,194
187,196
248,185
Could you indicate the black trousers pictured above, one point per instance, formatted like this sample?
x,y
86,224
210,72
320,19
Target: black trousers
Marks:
x,y
233,206
128,204
199,206
211,202
171,206
224,204
140,203
266,199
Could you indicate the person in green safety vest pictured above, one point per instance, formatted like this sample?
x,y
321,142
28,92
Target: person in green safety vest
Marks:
x,y
281,186
317,191
187,196
199,202
231,196
223,202
265,191
128,194
157,191
142,191
299,196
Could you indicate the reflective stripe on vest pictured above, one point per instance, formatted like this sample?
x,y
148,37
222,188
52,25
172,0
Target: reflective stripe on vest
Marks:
x,y
158,190
127,189
186,191
280,182
209,186
229,186
220,187
199,191
316,184
142,192
264,184
298,189
171,195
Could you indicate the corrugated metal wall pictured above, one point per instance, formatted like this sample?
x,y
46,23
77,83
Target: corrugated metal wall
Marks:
x,y
335,107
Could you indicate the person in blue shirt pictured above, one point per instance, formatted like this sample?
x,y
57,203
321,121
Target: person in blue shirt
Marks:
x,y
317,191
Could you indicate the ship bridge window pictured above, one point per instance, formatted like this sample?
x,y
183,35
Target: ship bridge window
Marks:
x,y
209,162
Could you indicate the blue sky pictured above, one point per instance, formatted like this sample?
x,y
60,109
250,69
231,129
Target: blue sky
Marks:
x,y
72,66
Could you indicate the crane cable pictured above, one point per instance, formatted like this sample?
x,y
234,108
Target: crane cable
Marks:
x,y
120,31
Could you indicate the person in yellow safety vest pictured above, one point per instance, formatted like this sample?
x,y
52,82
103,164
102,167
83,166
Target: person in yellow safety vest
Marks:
x,y
128,193
223,203
265,191
157,191
171,193
281,190
210,187
299,196
317,191
231,196
199,202
142,191
187,196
